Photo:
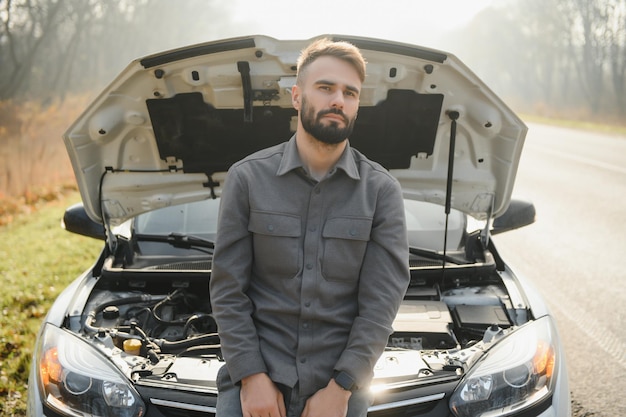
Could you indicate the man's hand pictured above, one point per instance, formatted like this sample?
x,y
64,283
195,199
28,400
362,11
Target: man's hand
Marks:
x,y
331,401
261,398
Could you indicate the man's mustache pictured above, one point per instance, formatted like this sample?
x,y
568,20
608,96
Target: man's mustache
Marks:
x,y
333,110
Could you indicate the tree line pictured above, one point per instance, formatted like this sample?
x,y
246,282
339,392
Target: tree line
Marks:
x,y
566,54
49,48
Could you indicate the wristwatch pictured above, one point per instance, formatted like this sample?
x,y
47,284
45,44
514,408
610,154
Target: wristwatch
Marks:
x,y
344,380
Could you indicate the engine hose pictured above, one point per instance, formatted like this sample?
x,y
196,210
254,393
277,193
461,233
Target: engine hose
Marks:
x,y
170,347
193,319
91,316
215,350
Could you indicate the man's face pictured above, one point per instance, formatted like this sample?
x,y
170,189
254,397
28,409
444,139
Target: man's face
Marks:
x,y
328,100
328,131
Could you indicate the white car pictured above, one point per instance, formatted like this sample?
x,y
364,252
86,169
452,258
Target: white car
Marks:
x,y
134,335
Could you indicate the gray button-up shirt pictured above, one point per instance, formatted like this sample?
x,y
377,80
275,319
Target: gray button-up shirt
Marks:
x,y
307,276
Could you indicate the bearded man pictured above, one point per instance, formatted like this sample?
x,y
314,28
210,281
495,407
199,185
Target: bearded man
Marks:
x,y
311,257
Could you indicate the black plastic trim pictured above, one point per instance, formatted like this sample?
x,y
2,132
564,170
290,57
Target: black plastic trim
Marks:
x,y
536,409
204,49
394,48
209,140
244,69
50,412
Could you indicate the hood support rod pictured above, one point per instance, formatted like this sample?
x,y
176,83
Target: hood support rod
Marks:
x,y
111,239
453,115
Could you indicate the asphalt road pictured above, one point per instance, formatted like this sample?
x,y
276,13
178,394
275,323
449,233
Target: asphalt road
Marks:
x,y
575,254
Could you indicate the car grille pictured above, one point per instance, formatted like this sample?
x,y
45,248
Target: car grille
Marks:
x,y
431,405
178,409
414,407
424,406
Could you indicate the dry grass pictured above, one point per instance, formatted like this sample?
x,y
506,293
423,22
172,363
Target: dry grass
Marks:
x,y
612,128
34,166
574,118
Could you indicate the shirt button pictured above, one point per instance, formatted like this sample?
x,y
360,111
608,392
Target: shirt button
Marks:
x,y
352,232
317,191
305,325
270,227
302,360
309,266
307,304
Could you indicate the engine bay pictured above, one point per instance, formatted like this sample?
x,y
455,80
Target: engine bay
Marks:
x,y
157,326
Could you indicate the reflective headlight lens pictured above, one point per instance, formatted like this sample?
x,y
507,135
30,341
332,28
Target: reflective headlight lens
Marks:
x,y
76,380
516,373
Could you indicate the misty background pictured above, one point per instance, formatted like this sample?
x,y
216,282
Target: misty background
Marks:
x,y
561,57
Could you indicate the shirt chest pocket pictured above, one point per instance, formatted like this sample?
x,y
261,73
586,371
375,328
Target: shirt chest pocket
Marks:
x,y
345,241
276,240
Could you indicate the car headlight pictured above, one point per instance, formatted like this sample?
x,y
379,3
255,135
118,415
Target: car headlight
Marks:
x,y
518,372
76,380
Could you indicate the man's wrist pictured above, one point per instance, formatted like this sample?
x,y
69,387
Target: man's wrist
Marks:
x,y
337,390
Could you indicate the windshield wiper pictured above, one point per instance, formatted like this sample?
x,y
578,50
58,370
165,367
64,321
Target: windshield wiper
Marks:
x,y
179,240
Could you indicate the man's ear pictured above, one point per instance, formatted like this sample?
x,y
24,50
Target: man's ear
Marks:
x,y
295,97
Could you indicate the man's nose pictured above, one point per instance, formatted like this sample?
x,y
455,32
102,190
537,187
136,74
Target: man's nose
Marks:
x,y
337,99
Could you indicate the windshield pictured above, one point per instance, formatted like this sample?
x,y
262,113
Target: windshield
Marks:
x,y
197,218
425,223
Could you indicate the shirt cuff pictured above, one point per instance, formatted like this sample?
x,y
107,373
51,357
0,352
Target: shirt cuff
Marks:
x,y
245,365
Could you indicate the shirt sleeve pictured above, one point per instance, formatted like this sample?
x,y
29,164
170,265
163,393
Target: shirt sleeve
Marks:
x,y
230,278
383,282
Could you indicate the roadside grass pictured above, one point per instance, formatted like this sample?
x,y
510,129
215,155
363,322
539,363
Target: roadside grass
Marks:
x,y
38,259
614,127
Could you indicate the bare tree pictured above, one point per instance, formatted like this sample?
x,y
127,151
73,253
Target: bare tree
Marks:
x,y
51,47
80,17
587,47
25,27
616,26
567,54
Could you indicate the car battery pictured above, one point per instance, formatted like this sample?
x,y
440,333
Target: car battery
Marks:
x,y
423,324
480,317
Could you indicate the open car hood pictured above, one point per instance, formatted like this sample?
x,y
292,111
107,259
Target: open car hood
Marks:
x,y
167,129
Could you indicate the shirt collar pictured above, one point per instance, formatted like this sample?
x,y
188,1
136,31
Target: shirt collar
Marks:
x,y
291,160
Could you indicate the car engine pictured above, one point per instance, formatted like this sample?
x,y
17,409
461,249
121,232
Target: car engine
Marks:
x,y
161,332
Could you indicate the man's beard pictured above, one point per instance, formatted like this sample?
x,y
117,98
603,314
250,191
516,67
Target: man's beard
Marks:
x,y
331,133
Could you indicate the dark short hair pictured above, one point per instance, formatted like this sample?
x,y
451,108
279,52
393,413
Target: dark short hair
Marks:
x,y
338,49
